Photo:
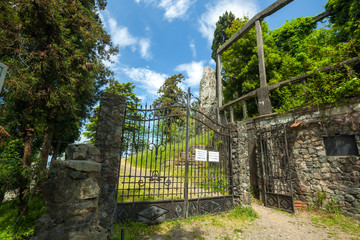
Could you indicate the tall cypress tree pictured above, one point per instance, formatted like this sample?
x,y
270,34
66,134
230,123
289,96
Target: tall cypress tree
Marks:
x,y
55,51
220,37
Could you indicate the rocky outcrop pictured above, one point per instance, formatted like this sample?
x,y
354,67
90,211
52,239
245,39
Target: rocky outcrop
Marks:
x,y
207,93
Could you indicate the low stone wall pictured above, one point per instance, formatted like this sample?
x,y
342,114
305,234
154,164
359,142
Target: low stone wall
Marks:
x,y
71,195
312,170
80,194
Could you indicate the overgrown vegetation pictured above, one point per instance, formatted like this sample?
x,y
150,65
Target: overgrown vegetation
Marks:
x,y
25,225
187,228
325,204
296,48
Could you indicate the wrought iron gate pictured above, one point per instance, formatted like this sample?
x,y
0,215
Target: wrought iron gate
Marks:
x,y
175,163
275,167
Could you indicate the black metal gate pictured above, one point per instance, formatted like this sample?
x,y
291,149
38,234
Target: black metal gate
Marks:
x,y
275,169
175,163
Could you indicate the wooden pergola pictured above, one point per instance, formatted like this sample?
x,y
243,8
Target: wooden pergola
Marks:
x,y
262,93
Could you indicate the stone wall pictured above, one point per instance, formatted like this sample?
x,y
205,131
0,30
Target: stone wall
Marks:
x,y
240,163
312,170
108,141
71,196
80,194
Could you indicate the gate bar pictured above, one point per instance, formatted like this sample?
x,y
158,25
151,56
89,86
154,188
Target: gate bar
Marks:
x,y
186,189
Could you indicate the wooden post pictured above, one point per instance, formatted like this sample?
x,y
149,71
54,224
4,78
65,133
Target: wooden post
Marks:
x,y
231,114
218,86
263,92
244,108
219,80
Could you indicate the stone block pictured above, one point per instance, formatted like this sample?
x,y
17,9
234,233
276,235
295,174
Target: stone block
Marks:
x,y
88,189
354,191
85,166
349,198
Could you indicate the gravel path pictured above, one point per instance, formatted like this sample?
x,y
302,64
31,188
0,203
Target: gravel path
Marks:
x,y
270,225
274,224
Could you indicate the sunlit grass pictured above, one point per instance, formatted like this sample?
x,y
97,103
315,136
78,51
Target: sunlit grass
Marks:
x,y
191,227
346,224
25,226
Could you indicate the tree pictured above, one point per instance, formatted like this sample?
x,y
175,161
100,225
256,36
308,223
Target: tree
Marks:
x,y
169,92
55,52
10,166
345,17
122,89
220,35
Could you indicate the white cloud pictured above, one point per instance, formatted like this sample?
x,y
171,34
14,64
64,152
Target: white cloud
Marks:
x,y
193,48
193,72
216,9
147,79
173,8
144,45
121,36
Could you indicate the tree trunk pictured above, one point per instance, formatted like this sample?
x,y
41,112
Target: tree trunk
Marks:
x,y
56,152
28,141
45,149
23,197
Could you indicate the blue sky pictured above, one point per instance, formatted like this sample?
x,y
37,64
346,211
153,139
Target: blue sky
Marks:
x,y
160,38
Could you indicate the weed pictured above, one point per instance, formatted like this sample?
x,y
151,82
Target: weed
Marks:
x,y
246,213
332,206
319,199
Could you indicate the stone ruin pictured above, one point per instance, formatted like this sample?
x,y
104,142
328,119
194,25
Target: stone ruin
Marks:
x,y
207,92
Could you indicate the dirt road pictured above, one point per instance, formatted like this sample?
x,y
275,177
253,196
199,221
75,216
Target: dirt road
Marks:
x,y
270,225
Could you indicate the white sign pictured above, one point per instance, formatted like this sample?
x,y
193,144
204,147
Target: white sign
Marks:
x,y
213,156
200,155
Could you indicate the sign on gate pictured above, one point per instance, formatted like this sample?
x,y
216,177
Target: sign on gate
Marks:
x,y
200,155
213,156
161,177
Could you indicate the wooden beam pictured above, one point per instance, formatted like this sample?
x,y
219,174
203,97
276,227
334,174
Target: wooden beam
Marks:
x,y
261,15
243,97
321,16
291,81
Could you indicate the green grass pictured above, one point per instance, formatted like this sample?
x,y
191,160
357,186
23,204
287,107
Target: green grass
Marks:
x,y
25,225
151,159
191,228
210,178
346,224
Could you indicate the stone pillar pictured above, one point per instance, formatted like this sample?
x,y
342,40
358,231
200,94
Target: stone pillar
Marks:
x,y
108,141
240,164
71,196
